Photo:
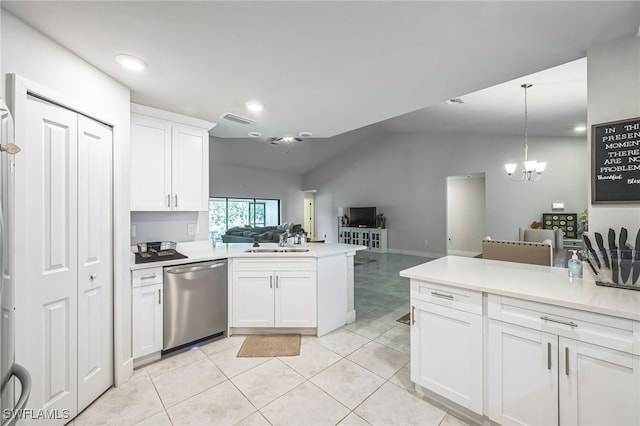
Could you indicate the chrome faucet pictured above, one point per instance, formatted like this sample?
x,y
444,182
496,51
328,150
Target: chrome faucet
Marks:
x,y
283,239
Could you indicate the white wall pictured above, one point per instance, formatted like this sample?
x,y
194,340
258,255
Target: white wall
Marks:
x,y
465,228
233,181
35,57
614,94
404,176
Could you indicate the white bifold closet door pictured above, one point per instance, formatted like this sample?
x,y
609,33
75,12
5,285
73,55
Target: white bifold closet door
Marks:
x,y
69,294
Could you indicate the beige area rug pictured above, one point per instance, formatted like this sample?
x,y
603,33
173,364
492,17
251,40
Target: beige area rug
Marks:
x,y
270,345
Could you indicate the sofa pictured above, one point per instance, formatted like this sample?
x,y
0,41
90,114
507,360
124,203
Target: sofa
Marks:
x,y
245,234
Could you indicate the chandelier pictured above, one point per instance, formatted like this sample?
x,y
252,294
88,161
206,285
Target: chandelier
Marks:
x,y
532,169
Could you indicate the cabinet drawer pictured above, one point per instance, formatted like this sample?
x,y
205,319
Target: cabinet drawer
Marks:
x,y
456,298
142,277
275,264
603,330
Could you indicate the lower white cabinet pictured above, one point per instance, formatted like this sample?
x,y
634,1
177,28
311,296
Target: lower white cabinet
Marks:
x,y
446,343
273,293
147,311
550,365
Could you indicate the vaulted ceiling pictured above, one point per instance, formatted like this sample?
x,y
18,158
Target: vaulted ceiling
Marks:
x,y
333,67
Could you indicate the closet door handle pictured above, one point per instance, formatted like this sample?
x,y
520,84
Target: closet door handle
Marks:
x,y
168,200
276,281
413,315
271,281
176,202
548,355
159,296
566,360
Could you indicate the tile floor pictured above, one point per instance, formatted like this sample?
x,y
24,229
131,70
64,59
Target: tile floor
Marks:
x,y
356,375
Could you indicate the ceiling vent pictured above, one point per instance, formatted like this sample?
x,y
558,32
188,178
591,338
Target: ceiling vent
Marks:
x,y
237,118
454,101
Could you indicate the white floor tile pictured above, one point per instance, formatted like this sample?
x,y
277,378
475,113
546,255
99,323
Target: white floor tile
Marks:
x,y
313,359
174,361
368,327
221,405
266,382
221,345
397,338
403,379
380,359
353,420
160,419
391,405
186,381
342,341
450,420
348,383
256,419
305,405
231,365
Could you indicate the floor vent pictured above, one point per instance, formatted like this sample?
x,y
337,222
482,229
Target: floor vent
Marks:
x,y
237,118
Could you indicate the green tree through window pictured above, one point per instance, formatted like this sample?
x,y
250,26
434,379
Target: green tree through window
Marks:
x,y
226,213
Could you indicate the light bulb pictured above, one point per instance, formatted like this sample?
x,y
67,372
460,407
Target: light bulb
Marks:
x,y
510,168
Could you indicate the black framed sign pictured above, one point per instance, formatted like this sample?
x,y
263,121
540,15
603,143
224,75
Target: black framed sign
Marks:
x,y
615,162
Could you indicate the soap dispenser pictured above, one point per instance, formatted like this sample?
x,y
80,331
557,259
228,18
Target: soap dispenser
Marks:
x,y
575,266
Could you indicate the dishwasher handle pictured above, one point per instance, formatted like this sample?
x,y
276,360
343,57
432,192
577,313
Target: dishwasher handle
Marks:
x,y
195,268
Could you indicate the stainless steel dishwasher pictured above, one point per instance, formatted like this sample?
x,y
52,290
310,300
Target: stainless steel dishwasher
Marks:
x,y
195,302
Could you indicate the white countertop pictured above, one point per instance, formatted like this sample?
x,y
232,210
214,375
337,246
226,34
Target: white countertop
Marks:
x,y
201,251
530,282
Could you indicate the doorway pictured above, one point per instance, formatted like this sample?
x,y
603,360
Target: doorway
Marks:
x,y
466,214
310,214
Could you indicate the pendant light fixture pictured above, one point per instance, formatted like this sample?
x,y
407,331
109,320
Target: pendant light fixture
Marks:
x,y
532,169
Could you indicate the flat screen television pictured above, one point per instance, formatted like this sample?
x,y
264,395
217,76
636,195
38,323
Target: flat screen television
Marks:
x,y
362,217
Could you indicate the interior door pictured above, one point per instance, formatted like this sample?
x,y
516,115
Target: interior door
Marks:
x,y
51,240
95,289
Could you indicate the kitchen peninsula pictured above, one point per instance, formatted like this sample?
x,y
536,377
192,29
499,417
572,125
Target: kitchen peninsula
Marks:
x,y
271,289
524,344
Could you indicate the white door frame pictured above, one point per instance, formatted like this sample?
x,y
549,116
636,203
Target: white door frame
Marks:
x,y
17,89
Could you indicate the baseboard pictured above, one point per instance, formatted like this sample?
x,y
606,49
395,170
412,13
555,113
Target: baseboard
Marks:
x,y
463,253
416,253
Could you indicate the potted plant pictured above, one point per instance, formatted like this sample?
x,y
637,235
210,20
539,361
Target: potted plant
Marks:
x,y
381,220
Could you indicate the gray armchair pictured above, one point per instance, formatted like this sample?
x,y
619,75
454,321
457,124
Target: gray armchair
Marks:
x,y
540,235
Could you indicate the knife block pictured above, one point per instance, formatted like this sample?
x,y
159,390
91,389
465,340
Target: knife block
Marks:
x,y
623,270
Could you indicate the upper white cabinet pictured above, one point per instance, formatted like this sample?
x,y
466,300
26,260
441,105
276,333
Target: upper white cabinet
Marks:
x,y
169,161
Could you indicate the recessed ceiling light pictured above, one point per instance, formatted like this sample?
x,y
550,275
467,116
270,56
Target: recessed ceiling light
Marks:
x,y
580,128
254,106
305,134
287,138
131,62
255,134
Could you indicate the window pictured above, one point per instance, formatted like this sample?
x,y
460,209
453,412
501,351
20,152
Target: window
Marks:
x,y
225,213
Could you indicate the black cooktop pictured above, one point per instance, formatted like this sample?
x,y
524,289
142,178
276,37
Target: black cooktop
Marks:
x,y
159,256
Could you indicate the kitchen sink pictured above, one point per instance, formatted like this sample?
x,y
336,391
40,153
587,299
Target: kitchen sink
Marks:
x,y
277,250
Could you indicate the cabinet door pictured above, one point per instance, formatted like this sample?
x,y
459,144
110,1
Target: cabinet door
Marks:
x,y
150,164
190,169
147,320
523,375
446,353
295,299
252,299
598,385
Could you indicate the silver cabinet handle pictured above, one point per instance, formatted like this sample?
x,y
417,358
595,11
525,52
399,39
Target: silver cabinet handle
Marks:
x,y
569,323
148,277
176,202
168,200
566,360
276,281
413,315
271,281
159,296
442,295
93,276
548,355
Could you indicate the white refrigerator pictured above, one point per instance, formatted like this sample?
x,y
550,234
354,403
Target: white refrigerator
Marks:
x,y
16,382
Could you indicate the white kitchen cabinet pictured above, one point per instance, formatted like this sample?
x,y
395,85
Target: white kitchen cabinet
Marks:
x,y
169,165
375,239
446,343
147,311
270,292
551,365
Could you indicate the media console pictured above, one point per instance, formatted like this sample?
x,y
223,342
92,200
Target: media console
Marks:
x,y
375,239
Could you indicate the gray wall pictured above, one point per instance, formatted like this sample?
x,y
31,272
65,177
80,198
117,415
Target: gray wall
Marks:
x,y
404,176
232,181
614,94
